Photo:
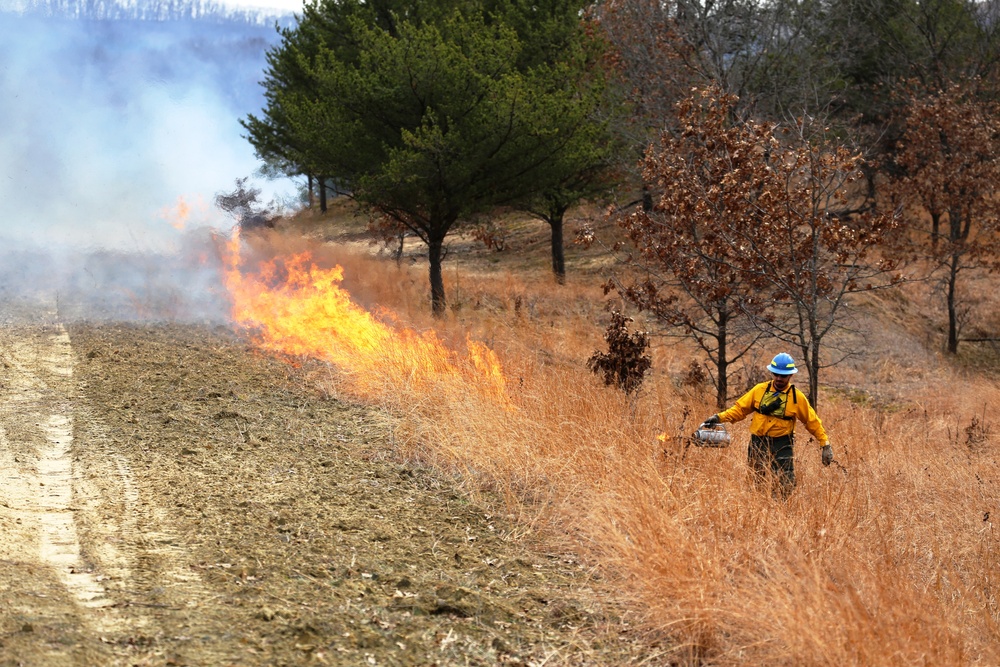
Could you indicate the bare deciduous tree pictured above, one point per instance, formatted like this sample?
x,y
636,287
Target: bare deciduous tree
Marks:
x,y
245,207
818,243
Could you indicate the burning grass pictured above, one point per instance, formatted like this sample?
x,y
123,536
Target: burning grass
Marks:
x,y
888,557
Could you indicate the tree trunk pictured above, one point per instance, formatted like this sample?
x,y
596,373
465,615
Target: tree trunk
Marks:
x,y
558,251
813,395
309,188
722,362
957,235
322,194
807,362
398,254
953,267
435,248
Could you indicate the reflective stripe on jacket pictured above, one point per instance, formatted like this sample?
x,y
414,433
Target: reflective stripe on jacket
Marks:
x,y
782,420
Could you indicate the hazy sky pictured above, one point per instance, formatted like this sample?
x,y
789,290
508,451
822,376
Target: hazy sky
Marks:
x,y
281,5
115,137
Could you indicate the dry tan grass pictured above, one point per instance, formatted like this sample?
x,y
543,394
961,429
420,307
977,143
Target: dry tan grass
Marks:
x,y
888,557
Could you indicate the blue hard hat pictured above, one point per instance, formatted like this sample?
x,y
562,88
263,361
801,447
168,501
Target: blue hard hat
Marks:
x,y
783,364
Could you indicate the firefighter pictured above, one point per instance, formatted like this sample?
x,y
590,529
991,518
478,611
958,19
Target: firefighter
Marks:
x,y
776,405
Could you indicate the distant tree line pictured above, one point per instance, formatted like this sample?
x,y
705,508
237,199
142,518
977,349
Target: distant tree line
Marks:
x,y
767,160
152,10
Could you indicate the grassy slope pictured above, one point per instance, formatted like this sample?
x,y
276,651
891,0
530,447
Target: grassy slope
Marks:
x,y
889,557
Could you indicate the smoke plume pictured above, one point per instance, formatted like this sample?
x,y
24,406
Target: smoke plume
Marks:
x,y
115,137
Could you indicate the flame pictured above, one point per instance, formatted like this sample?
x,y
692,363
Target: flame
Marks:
x,y
178,215
296,307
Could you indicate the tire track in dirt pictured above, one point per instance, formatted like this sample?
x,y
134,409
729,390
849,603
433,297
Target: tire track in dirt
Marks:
x,y
39,501
78,532
59,545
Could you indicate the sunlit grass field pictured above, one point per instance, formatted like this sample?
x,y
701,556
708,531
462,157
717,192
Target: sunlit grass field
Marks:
x,y
891,556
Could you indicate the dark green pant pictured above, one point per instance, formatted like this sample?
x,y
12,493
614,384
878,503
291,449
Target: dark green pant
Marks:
x,y
772,460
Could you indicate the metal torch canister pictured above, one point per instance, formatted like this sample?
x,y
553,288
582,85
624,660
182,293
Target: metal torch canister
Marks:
x,y
711,435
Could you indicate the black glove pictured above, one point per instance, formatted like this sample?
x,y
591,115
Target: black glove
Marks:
x,y
711,421
827,455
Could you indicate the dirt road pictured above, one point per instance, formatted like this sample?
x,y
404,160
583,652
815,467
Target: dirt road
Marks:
x,y
172,497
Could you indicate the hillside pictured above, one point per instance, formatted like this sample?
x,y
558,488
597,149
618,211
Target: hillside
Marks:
x,y
186,493
885,557
174,498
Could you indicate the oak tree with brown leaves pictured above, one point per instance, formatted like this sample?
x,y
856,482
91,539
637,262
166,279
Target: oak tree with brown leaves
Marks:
x,y
759,223
949,162
709,176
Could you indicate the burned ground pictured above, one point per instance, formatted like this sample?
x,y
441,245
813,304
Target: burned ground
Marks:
x,y
228,512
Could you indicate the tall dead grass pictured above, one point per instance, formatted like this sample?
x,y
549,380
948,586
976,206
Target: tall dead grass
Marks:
x,y
888,557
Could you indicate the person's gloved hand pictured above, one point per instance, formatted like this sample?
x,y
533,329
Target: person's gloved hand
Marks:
x,y
711,421
827,455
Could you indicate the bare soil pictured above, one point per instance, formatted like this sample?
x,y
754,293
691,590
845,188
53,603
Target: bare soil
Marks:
x,y
170,496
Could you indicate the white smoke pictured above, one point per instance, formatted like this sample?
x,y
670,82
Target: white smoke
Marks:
x,y
115,138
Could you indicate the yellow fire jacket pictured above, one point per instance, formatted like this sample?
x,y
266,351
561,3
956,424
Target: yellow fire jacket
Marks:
x,y
787,407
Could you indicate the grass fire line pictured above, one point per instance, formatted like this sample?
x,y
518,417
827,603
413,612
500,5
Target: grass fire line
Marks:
x,y
298,308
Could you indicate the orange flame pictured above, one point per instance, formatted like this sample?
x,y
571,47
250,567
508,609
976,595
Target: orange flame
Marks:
x,y
178,215
298,308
